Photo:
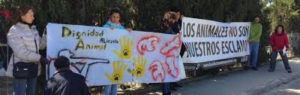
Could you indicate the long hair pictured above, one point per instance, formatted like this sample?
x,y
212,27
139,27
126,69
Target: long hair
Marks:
x,y
168,19
21,11
114,10
276,29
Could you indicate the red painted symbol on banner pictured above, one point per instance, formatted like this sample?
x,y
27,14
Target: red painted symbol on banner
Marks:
x,y
157,71
147,44
172,45
171,64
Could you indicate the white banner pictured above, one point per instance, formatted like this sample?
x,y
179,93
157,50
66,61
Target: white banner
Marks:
x,y
207,40
104,56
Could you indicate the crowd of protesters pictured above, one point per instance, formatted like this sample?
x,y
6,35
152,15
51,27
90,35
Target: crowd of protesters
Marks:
x,y
26,42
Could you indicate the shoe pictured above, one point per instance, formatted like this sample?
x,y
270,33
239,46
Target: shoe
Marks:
x,y
167,93
270,70
289,71
173,89
246,68
177,85
254,68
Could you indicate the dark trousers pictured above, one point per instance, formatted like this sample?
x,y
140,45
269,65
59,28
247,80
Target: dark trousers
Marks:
x,y
182,50
166,89
283,57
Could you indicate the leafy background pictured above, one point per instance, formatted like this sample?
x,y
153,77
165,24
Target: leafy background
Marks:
x,y
146,15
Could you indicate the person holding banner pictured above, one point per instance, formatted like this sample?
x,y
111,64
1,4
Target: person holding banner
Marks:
x,y
114,20
254,39
280,44
176,27
227,17
112,23
168,22
25,42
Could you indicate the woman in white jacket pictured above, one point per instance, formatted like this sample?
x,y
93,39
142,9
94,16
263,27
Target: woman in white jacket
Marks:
x,y
25,42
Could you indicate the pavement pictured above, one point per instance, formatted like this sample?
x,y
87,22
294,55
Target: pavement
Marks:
x,y
244,82
241,82
292,88
5,86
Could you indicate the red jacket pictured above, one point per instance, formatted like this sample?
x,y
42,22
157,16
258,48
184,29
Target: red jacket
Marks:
x,y
279,41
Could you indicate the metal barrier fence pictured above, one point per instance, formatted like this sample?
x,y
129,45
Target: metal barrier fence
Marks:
x,y
5,82
4,56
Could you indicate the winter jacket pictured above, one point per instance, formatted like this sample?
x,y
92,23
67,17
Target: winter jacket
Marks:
x,y
278,41
65,82
25,43
114,25
177,26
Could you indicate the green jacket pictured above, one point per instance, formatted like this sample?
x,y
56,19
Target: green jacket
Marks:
x,y
255,32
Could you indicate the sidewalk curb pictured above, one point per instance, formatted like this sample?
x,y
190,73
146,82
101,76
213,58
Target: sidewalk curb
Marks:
x,y
254,91
270,85
158,87
182,82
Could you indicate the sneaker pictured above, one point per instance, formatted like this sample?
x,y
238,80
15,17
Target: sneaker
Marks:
x,y
177,85
289,71
167,93
246,68
254,68
173,89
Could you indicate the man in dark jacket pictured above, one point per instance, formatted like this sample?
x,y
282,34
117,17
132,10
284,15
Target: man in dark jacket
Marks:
x,y
64,81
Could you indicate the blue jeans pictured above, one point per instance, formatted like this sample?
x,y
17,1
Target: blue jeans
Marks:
x,y
166,88
24,86
254,47
110,89
283,57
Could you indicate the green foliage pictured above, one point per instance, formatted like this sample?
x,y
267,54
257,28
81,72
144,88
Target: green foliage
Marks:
x,y
142,15
284,12
138,14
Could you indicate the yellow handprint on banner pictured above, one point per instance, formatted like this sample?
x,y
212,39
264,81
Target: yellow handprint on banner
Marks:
x,y
117,75
126,48
139,66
